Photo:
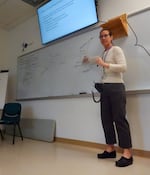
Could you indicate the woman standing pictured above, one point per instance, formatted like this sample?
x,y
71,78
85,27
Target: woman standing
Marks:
x,y
113,100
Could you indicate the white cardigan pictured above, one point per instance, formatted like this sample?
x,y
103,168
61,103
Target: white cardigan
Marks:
x,y
117,65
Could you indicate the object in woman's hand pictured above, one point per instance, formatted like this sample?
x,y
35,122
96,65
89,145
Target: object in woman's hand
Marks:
x,y
85,59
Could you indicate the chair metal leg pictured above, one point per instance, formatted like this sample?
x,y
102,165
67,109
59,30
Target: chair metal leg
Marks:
x,y
14,133
2,137
20,131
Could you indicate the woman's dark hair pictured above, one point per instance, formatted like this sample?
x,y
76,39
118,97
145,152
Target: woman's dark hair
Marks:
x,y
110,32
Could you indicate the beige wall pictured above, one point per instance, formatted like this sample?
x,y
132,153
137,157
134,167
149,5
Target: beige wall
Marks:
x,y
110,9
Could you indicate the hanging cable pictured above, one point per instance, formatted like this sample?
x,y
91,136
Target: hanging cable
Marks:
x,y
136,43
94,99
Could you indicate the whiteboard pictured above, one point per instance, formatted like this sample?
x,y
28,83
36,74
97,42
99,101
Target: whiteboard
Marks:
x,y
57,70
138,57
3,87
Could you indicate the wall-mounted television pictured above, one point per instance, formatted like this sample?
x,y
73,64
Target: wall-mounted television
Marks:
x,y
60,18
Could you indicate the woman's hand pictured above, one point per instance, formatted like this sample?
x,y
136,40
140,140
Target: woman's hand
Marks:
x,y
100,62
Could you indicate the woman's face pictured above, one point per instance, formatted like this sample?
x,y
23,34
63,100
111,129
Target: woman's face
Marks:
x,y
105,38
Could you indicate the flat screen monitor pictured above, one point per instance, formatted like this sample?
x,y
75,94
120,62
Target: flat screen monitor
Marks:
x,y
60,18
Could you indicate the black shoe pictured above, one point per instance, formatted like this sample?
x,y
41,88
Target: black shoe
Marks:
x,y
106,155
123,162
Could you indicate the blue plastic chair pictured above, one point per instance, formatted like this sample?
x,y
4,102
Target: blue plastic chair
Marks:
x,y
11,116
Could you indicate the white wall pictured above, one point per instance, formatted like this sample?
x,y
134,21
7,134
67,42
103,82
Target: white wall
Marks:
x,y
109,9
79,118
4,47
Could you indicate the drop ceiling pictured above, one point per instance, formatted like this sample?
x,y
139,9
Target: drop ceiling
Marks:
x,y
14,12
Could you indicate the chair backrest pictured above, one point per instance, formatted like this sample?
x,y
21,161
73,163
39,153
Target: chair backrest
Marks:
x,y
11,112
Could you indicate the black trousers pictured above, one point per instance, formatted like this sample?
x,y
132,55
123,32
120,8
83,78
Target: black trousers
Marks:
x,y
113,114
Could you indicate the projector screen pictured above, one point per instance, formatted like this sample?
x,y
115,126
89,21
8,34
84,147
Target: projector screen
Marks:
x,y
59,18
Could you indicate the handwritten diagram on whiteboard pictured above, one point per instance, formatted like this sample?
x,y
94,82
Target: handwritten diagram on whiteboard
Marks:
x,y
58,70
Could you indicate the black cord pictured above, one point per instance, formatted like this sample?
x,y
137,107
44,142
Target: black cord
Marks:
x,y
136,43
96,101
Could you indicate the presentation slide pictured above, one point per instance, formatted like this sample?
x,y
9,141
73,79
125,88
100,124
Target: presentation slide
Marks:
x,y
61,17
